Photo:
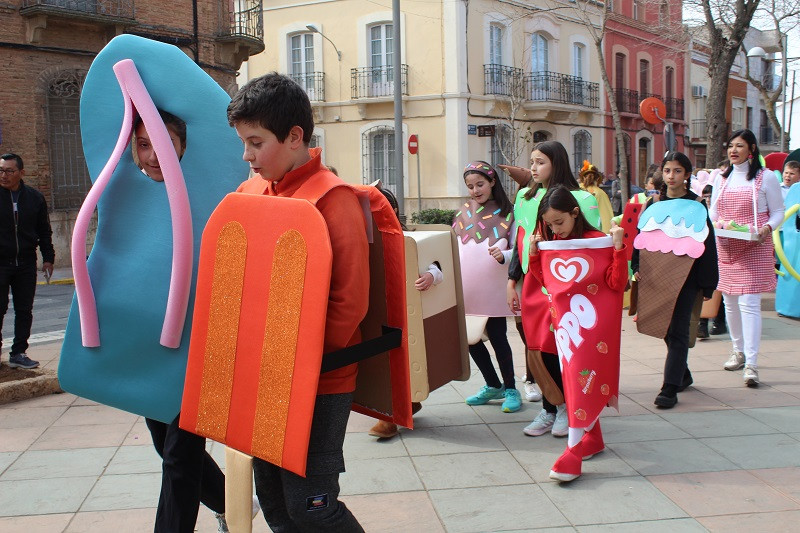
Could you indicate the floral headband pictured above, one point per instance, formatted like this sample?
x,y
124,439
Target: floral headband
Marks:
x,y
481,167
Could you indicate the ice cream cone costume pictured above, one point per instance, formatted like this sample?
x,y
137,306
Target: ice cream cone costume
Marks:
x,y
672,235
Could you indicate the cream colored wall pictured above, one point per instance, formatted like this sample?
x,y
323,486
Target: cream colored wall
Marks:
x,y
441,70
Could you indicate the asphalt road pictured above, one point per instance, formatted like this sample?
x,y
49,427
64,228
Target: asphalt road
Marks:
x,y
50,312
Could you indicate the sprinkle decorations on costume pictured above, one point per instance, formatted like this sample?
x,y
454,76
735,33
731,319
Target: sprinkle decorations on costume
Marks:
x,y
483,278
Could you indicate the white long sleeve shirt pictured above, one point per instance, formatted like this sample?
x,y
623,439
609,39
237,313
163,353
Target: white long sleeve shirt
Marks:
x,y
769,200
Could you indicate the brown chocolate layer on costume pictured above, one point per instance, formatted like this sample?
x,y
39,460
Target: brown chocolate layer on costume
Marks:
x,y
480,222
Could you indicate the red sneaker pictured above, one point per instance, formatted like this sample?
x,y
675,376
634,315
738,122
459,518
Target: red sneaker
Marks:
x,y
568,466
592,441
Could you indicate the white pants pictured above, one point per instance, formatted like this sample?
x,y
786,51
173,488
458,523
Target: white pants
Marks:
x,y
743,313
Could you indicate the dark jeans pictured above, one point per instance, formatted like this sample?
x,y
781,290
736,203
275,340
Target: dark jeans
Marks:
x,y
553,365
292,503
22,282
189,476
677,338
496,330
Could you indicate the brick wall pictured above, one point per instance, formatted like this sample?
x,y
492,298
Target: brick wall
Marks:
x,y
67,43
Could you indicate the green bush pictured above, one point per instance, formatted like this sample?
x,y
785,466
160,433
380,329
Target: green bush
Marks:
x,y
433,216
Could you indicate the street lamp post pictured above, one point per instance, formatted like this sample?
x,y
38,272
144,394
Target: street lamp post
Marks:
x,y
314,29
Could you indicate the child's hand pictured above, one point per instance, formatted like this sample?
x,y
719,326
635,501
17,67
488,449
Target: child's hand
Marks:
x,y
512,297
424,282
536,238
637,277
495,252
617,234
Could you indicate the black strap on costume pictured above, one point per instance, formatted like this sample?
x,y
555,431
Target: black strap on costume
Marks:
x,y
390,339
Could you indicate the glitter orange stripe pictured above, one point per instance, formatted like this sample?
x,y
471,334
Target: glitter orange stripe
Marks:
x,y
223,328
280,344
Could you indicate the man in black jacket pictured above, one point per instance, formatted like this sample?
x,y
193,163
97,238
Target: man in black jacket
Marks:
x,y
24,225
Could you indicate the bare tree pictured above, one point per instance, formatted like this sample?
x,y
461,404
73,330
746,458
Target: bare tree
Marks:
x,y
779,17
513,135
727,22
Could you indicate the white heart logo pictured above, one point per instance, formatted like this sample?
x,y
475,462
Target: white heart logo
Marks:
x,y
573,269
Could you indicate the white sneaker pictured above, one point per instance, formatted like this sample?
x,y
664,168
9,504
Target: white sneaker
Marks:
x,y
561,424
750,376
541,424
532,393
735,362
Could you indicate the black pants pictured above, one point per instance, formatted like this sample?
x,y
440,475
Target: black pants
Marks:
x,y
189,476
22,282
550,360
677,338
496,330
292,503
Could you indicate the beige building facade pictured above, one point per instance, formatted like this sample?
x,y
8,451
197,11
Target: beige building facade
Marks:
x,y
481,80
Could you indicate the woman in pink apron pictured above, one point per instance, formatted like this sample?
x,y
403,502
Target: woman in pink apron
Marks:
x,y
746,195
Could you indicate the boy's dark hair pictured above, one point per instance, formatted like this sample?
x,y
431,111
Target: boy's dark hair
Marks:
x,y
789,164
498,193
13,157
562,174
276,103
708,189
755,163
561,199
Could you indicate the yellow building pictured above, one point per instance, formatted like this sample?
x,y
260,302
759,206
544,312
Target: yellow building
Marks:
x,y
481,80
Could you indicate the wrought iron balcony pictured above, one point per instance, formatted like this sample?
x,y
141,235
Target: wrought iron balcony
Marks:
x,y
106,11
503,80
242,22
674,108
561,88
699,129
767,135
313,83
627,100
376,82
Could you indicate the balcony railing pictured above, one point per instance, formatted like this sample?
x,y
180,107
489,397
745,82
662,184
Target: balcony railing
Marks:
x,y
502,80
561,88
699,129
767,135
627,100
674,108
122,9
243,19
375,82
313,83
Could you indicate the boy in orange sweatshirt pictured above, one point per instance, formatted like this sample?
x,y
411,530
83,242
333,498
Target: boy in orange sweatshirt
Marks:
x,y
273,118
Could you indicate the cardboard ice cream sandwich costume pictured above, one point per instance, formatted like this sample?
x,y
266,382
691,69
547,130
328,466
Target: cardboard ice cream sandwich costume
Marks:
x,y
127,336
672,235
437,339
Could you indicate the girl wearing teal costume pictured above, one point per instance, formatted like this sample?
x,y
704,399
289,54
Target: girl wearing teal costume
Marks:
x,y
549,168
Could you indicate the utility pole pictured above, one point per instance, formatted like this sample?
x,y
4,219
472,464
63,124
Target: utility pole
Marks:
x,y
398,107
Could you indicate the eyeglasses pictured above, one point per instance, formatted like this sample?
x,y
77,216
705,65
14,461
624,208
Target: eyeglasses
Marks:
x,y
8,170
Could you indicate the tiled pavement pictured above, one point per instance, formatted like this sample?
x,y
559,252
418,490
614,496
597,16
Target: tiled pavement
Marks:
x,y
727,458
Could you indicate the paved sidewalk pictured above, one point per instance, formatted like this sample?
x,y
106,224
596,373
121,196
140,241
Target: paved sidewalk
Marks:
x,y
727,458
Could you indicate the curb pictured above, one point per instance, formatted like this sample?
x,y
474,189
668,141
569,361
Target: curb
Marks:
x,y
42,384
66,281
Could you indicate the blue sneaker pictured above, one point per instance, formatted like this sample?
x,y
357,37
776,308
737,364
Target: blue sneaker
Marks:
x,y
486,394
513,401
22,360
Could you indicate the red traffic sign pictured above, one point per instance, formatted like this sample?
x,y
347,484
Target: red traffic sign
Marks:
x,y
413,144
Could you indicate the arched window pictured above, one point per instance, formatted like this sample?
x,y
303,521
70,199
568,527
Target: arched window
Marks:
x,y
378,163
496,44
540,136
67,165
582,148
540,61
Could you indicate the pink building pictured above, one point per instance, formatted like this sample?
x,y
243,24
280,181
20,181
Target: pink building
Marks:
x,y
645,53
